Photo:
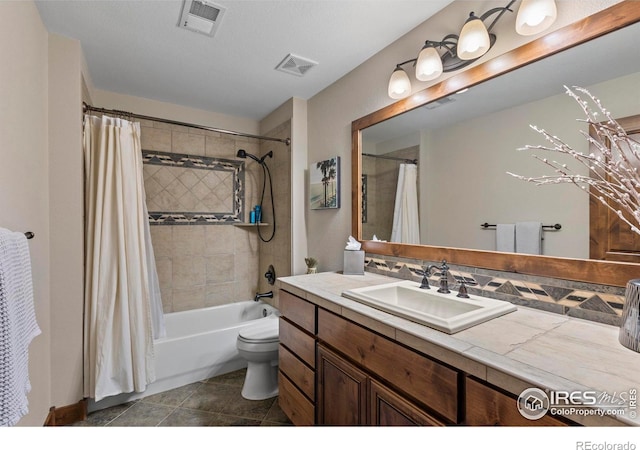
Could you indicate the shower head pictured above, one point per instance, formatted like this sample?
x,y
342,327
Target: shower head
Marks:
x,y
243,154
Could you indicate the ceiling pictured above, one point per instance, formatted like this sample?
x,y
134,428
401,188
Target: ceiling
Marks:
x,y
136,47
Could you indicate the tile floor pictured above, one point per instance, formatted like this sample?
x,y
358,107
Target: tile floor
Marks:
x,y
213,402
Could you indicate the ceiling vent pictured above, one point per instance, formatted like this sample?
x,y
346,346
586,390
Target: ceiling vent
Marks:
x,y
201,16
295,65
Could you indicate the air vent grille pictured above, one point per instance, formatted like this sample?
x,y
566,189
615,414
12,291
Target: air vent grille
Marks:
x,y
295,65
201,16
205,11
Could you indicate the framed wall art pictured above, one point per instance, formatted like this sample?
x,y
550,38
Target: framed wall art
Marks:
x,y
324,184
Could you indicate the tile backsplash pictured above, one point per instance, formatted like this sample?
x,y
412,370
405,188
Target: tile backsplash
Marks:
x,y
588,301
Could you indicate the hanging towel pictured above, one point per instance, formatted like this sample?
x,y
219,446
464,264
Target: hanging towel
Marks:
x,y
18,325
506,237
529,237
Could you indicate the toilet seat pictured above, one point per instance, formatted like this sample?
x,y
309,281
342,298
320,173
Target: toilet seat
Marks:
x,y
266,331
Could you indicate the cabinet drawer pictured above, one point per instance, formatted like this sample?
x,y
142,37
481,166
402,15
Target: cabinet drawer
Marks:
x,y
427,381
298,342
488,406
299,373
298,311
294,404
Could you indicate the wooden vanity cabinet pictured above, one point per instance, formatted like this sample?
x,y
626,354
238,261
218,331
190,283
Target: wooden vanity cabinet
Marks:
x,y
336,372
297,359
385,382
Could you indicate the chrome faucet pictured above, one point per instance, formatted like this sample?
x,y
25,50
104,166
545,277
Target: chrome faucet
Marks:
x,y
263,295
444,276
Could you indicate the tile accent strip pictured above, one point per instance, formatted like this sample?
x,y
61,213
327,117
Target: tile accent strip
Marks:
x,y
221,184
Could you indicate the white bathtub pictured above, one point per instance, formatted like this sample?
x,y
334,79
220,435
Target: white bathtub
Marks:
x,y
200,344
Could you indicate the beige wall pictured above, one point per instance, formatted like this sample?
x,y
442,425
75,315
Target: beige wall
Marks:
x,y
66,218
364,90
24,176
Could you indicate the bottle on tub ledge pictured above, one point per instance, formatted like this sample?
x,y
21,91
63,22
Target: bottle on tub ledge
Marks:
x,y
258,213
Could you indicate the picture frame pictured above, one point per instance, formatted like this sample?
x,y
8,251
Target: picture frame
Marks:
x,y
324,184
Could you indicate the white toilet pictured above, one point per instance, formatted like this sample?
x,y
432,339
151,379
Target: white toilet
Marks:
x,y
258,345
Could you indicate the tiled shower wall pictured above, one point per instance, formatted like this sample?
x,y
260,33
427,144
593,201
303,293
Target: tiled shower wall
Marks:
x,y
205,265
277,252
587,301
381,185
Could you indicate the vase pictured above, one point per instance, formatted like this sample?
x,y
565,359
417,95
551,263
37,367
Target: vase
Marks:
x,y
630,326
312,269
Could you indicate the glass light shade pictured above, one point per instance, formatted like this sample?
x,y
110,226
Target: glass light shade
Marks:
x,y
429,64
535,16
399,84
474,39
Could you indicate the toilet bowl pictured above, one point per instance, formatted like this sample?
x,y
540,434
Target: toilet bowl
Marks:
x,y
258,345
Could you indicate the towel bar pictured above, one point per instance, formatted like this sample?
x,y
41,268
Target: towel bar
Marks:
x,y
555,227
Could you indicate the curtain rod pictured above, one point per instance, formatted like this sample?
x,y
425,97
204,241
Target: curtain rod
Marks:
x,y
86,107
410,161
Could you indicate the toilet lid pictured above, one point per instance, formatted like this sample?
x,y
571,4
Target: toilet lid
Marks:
x,y
264,331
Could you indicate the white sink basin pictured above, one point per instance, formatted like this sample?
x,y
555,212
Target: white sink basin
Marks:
x,y
444,312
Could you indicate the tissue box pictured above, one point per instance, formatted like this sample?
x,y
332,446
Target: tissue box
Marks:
x,y
353,262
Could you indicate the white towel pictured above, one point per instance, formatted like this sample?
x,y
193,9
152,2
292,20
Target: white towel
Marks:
x,y
18,325
506,237
529,237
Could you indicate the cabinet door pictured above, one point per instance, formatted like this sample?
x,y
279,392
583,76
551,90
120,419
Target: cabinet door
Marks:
x,y
341,392
390,409
488,406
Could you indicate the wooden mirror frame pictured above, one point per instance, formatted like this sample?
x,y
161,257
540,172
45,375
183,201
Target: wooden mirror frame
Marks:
x,y
606,21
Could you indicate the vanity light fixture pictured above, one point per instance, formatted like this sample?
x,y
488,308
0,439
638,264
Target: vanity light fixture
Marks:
x,y
475,40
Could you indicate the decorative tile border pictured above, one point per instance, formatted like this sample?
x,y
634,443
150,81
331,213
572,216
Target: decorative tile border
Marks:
x,y
598,303
178,160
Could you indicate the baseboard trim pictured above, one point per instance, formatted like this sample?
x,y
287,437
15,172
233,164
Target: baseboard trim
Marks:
x,y
66,415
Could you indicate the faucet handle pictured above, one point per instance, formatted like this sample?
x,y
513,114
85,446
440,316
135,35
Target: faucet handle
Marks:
x,y
462,290
425,280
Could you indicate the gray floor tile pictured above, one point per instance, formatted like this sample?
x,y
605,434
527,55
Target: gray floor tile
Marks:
x,y
214,402
142,415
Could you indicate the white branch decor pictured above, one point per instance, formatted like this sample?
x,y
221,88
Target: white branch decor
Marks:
x,y
613,176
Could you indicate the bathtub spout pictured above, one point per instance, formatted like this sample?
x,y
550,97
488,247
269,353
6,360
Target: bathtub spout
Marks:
x,y
259,295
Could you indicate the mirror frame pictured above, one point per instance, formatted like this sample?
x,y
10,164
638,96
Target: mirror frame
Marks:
x,y
610,273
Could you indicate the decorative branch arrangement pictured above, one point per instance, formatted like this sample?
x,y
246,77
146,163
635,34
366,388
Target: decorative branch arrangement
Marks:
x,y
612,163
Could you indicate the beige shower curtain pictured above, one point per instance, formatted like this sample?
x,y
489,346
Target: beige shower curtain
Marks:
x,y
120,278
406,226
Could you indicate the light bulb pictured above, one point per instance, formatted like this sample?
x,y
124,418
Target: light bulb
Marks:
x,y
429,64
474,39
535,16
399,84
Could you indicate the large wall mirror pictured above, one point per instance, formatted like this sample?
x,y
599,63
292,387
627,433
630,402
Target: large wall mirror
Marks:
x,y
465,142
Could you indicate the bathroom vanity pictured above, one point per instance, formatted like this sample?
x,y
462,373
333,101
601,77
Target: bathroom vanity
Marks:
x,y
345,363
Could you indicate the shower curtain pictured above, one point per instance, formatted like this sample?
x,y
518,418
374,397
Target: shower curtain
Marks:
x,y
406,228
123,309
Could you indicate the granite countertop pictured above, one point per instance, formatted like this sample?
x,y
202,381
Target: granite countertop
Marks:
x,y
522,349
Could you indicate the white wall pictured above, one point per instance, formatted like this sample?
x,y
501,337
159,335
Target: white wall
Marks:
x,y
364,90
24,178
